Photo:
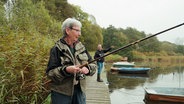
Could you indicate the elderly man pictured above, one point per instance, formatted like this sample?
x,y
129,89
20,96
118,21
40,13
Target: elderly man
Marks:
x,y
64,66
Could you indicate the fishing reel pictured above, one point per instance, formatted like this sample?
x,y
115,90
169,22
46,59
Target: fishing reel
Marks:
x,y
80,76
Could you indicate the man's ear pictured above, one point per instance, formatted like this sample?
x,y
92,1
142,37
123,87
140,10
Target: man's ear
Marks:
x,y
67,30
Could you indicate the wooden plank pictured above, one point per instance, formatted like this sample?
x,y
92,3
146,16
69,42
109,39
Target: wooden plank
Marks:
x,y
97,92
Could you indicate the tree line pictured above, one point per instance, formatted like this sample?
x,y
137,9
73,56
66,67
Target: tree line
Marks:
x,y
44,17
119,37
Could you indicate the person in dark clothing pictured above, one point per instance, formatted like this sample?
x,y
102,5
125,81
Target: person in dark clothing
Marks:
x,y
68,82
100,62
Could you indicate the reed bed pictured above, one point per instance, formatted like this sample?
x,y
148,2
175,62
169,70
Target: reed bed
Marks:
x,y
23,62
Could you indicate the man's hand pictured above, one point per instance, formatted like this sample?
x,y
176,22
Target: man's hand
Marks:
x,y
73,69
77,69
84,70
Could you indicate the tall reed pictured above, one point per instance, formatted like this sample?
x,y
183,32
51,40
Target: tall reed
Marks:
x,y
23,63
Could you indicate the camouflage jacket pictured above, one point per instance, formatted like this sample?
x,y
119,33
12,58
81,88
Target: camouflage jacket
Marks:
x,y
61,57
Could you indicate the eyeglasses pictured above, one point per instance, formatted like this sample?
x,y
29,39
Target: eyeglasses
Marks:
x,y
75,29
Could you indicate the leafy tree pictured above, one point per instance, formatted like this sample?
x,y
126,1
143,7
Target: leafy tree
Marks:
x,y
115,37
96,34
168,47
80,15
3,1
150,45
60,9
91,35
108,34
32,18
3,21
180,49
133,34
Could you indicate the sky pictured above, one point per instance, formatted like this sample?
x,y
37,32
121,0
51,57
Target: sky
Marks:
x,y
150,16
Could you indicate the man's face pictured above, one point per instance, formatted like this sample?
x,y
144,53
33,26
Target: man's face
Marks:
x,y
99,47
74,33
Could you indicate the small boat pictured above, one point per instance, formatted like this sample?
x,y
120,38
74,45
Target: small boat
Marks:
x,y
131,70
123,64
164,94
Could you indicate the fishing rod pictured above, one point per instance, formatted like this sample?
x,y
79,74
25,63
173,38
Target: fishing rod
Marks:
x,y
133,43
126,46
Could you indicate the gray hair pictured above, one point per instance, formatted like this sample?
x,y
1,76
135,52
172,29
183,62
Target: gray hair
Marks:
x,y
69,23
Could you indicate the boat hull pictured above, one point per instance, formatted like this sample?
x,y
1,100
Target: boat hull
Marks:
x,y
131,70
175,98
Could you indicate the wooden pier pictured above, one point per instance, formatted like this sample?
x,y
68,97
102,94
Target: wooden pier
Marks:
x,y
97,92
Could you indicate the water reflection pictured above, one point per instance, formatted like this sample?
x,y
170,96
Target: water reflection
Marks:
x,y
129,89
125,80
133,75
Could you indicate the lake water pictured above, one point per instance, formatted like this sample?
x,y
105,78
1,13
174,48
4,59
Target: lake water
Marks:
x,y
129,89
